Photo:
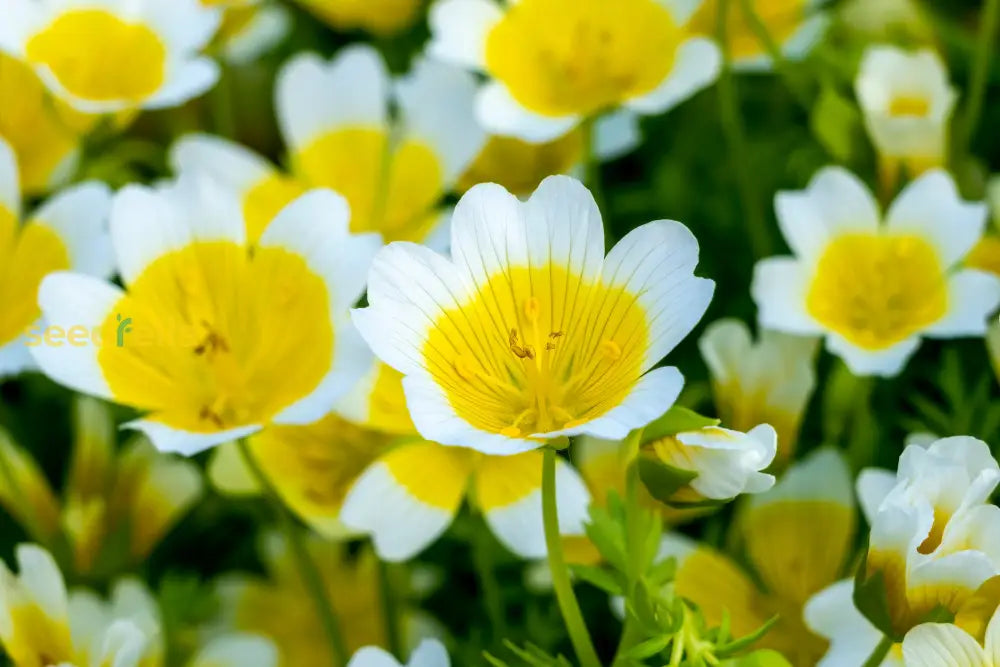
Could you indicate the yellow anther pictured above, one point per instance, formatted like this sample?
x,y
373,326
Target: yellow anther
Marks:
x,y
532,308
511,432
610,349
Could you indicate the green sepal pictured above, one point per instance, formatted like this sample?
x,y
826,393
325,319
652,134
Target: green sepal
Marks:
x,y
872,600
673,421
663,480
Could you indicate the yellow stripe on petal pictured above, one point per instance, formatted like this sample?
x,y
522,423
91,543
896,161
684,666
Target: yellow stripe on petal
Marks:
x,y
538,350
26,256
433,474
219,337
387,409
798,547
97,56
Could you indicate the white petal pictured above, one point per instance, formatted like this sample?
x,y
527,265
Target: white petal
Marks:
x,y
22,18
656,263
313,97
237,650
932,208
268,28
10,182
75,300
652,395
873,487
186,26
488,234
147,223
437,421
228,162
616,134
725,347
372,656
437,103
835,202
459,29
823,475
941,645
190,80
430,653
501,114
42,580
779,289
831,614
401,525
993,639
172,440
696,66
15,356
806,36
964,570
887,362
79,216
973,297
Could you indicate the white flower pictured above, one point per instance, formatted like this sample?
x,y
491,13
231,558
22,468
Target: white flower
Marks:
x,y
553,63
109,55
727,463
68,232
768,381
214,336
530,333
250,28
946,645
907,103
934,537
430,653
873,288
832,615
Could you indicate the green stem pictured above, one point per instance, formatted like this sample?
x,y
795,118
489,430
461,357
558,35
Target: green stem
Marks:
x,y
390,610
631,634
488,581
882,650
312,578
223,109
985,44
568,605
592,164
732,126
780,63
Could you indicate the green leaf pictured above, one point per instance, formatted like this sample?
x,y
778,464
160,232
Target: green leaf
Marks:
x,y
650,647
676,420
662,480
599,577
663,572
608,536
762,658
745,641
836,124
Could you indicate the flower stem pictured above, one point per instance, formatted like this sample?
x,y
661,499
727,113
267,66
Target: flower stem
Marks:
x,y
592,165
570,608
985,43
778,59
882,650
488,582
390,609
629,453
732,126
310,573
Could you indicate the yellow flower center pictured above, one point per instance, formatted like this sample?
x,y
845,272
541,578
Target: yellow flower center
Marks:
x,y
265,200
520,166
26,256
219,337
909,105
538,350
781,18
876,291
97,56
391,189
560,57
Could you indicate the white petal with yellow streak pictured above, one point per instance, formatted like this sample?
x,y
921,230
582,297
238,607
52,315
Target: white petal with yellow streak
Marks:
x,y
697,64
508,491
728,462
313,96
408,498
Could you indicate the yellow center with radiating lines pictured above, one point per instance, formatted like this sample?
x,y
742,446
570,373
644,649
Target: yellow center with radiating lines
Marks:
x,y
561,57
392,190
27,255
877,291
538,350
219,336
97,56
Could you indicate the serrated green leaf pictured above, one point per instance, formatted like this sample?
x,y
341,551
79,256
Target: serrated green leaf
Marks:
x,y
676,420
600,577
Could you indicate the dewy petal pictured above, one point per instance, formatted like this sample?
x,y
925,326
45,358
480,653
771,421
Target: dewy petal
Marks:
x,y
459,29
779,289
499,113
437,102
407,498
941,645
79,216
932,208
835,202
887,362
147,223
313,97
72,300
697,65
656,262
973,297
228,162
508,492
10,182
